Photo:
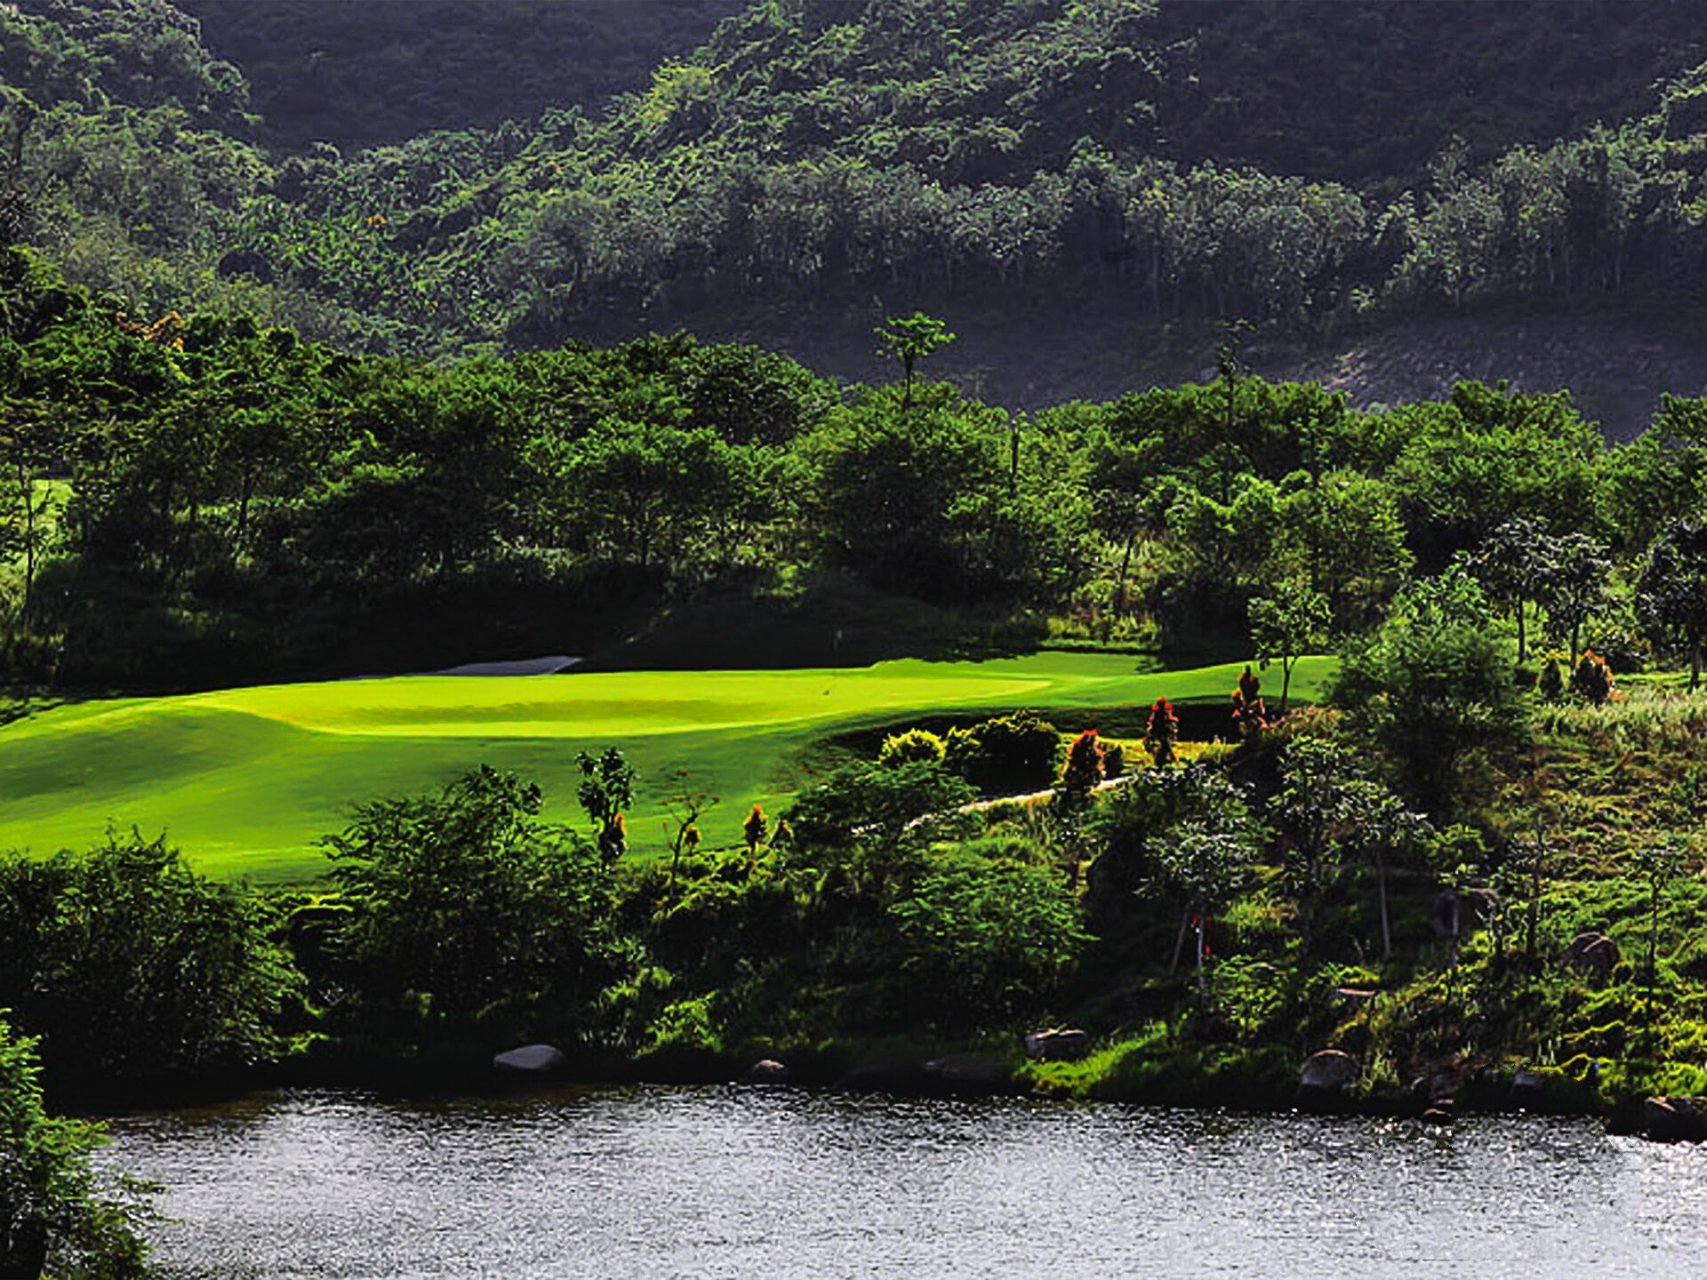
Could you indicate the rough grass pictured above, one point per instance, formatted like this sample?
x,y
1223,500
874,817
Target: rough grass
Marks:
x,y
246,780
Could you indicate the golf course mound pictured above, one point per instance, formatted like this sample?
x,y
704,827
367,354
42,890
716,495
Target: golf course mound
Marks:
x,y
246,781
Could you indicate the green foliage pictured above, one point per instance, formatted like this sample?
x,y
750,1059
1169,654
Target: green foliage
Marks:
x,y
1671,594
867,808
1005,755
463,903
992,939
910,339
125,962
1432,690
605,791
57,1217
1286,626
910,747
924,503
1555,675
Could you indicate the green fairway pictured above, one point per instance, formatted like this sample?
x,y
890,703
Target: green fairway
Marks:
x,y
245,780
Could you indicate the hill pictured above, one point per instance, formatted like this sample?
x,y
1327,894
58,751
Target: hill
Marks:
x,y
360,75
1083,191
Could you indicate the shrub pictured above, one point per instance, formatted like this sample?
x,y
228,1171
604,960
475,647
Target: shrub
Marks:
x,y
1592,679
1113,760
55,1219
1006,755
991,939
124,960
911,747
1161,733
1084,764
462,903
1550,681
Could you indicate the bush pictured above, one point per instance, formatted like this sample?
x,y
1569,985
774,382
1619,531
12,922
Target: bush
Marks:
x,y
1551,680
55,1219
463,904
911,747
1113,760
1006,755
1592,679
1084,764
125,960
991,939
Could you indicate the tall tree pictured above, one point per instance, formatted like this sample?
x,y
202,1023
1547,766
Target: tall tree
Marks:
x,y
1671,594
910,339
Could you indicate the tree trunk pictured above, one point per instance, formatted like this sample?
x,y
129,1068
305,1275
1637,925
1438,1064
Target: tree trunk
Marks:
x,y
1520,635
28,489
1381,893
1120,587
1202,977
1179,940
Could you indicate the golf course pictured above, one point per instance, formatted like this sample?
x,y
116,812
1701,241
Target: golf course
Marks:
x,y
246,781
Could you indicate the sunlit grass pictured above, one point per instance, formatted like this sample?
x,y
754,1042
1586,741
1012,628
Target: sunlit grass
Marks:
x,y
246,780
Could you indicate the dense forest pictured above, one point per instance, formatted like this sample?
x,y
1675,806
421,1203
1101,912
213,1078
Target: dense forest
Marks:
x,y
1178,163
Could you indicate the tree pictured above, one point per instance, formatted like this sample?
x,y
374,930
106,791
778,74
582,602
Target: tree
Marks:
x,y
1573,585
1431,689
910,339
606,791
56,1217
1671,594
1330,808
1284,627
1205,861
986,941
462,901
127,962
1659,864
1512,563
685,808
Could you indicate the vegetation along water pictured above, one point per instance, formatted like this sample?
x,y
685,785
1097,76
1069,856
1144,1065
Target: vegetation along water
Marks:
x,y
1062,631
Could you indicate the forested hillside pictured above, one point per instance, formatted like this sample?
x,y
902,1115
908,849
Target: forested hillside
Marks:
x,y
1334,172
385,70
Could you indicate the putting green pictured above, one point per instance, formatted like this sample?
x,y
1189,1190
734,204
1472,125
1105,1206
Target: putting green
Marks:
x,y
246,780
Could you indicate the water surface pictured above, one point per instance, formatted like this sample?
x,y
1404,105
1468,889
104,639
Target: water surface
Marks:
x,y
660,1182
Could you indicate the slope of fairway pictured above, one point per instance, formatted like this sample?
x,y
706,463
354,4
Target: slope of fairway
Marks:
x,y
246,780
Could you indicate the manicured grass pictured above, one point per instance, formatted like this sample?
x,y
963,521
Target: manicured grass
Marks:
x,y
246,780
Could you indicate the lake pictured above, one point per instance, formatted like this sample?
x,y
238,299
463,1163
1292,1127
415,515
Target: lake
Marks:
x,y
667,1181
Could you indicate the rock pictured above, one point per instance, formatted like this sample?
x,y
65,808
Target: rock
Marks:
x,y
1593,954
1675,1119
1057,1044
1459,912
531,1059
1439,1114
1329,1071
766,1071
